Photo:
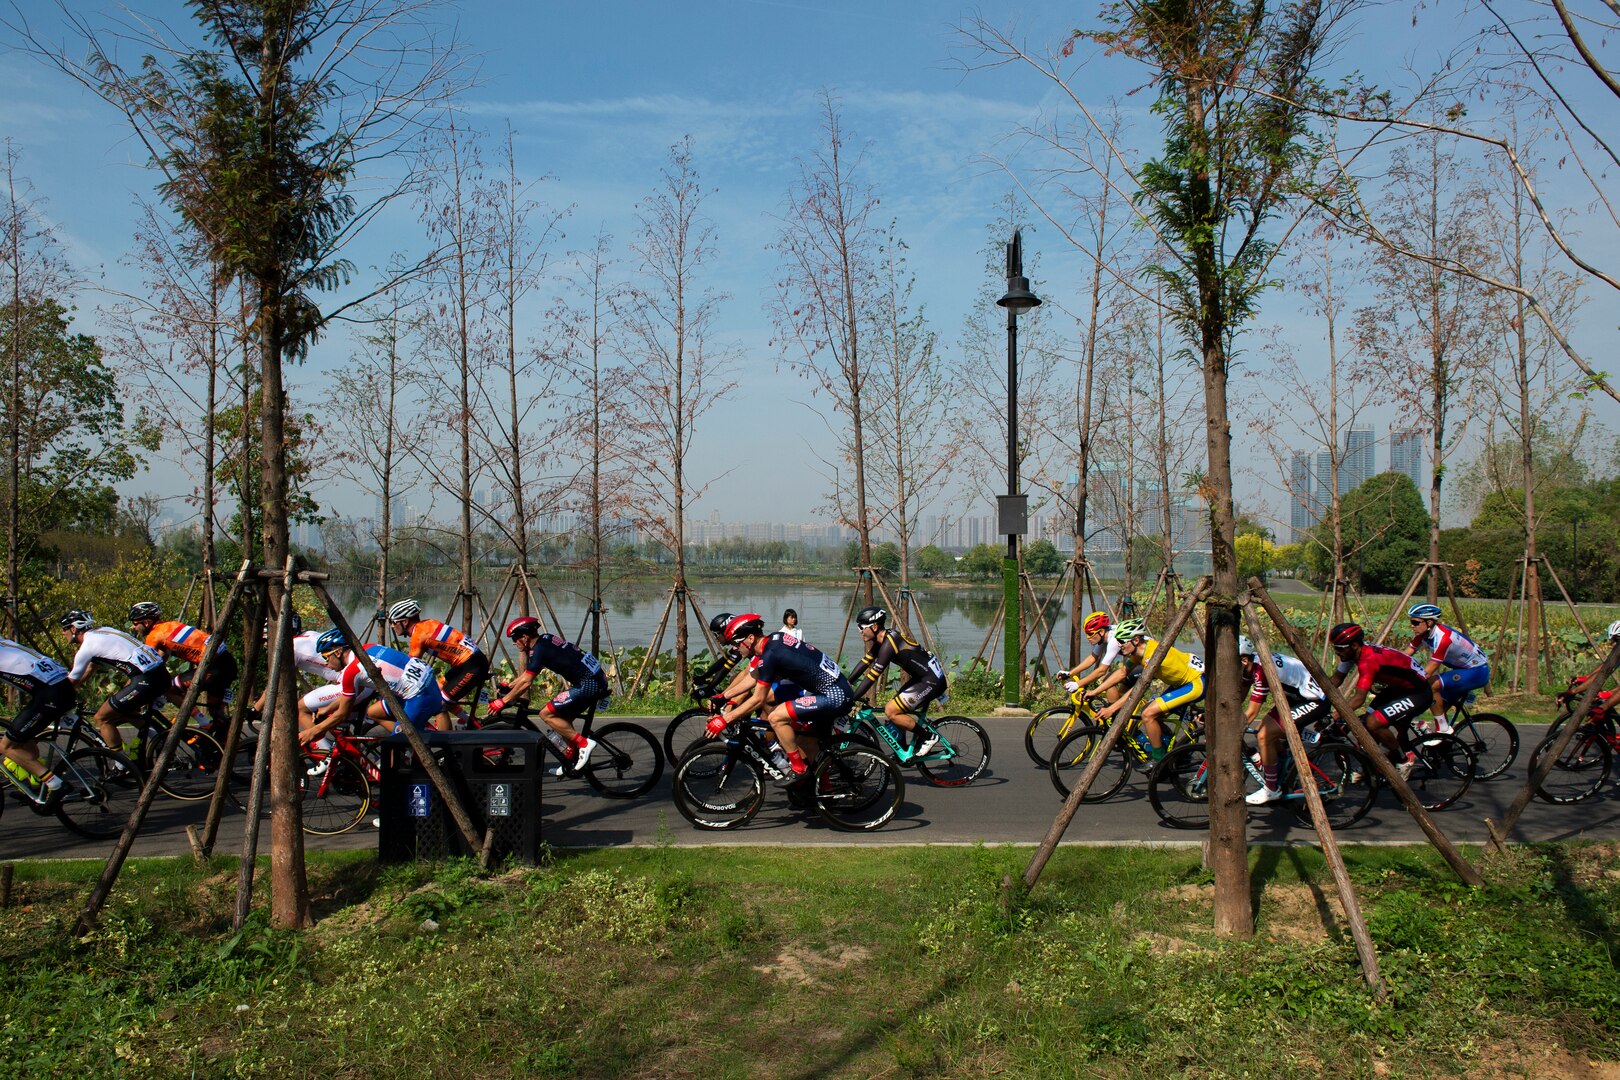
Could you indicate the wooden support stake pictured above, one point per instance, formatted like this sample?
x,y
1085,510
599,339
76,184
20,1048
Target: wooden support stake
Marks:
x,y
137,818
1313,799
252,647
261,754
1400,605
1374,750
1060,824
657,640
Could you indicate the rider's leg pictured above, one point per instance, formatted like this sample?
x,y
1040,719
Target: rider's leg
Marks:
x,y
24,753
106,721
1269,735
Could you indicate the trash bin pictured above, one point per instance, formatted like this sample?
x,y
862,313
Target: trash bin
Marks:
x,y
496,774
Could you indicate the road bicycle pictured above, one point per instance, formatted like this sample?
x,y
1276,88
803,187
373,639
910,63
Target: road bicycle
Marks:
x,y
721,784
1050,727
1072,755
1583,768
193,768
1178,787
959,758
335,782
1443,766
1493,739
626,763
99,787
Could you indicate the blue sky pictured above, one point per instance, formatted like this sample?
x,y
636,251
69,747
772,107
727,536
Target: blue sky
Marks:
x,y
596,94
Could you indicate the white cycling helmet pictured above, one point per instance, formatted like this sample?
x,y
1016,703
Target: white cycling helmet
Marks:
x,y
1614,630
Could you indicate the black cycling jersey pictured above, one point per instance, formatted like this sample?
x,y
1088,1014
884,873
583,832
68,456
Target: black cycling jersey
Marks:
x,y
805,666
895,648
552,653
713,679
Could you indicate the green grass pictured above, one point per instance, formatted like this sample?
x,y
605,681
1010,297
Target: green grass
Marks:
x,y
843,962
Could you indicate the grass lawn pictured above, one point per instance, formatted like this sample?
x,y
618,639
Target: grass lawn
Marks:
x,y
755,962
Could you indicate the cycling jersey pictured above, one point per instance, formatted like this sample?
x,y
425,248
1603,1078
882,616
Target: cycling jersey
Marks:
x,y
178,639
1385,667
404,675
1451,647
1297,682
1177,668
26,669
803,665
308,660
552,653
442,640
114,649
918,663
1106,651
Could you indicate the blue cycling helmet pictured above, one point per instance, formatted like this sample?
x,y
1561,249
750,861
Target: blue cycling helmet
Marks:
x,y
329,640
1423,611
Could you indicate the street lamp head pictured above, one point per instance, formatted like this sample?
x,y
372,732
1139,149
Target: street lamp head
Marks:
x,y
1018,299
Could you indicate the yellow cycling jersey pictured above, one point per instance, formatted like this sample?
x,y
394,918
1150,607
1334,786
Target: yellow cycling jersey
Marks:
x,y
1178,668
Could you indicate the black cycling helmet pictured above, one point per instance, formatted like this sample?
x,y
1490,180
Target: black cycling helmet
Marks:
x,y
78,619
871,616
1347,634
717,625
146,609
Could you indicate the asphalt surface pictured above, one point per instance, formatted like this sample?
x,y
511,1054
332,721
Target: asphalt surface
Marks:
x,y
1012,803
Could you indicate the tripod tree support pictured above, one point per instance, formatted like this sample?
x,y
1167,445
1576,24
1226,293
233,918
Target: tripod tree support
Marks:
x,y
396,710
126,840
261,754
252,645
1313,800
1374,750
1544,764
1060,824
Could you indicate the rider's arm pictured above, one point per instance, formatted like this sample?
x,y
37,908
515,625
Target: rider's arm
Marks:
x,y
1085,662
339,712
756,698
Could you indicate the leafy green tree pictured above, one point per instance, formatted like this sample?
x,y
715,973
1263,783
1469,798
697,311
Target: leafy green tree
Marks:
x,y
1386,527
983,561
886,557
1041,557
934,563
1256,554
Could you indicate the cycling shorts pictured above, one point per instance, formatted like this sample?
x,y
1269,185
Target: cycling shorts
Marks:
x,y
1399,707
915,695
45,707
1458,683
424,706
466,677
1177,696
322,696
222,674
141,692
783,690
573,702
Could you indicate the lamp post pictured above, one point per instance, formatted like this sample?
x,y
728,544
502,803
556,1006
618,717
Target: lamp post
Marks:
x,y
1013,508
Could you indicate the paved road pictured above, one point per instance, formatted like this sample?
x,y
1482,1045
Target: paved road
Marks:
x,y
1013,802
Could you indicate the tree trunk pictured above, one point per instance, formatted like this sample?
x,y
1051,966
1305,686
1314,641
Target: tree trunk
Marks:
x,y
1082,489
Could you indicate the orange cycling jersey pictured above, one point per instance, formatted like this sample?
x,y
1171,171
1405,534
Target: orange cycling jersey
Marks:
x,y
443,641
179,639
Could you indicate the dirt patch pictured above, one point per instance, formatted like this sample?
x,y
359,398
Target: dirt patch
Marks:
x,y
1501,1062
1165,944
1301,913
803,967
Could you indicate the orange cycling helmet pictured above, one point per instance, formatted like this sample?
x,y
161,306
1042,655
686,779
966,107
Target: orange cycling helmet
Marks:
x,y
1097,622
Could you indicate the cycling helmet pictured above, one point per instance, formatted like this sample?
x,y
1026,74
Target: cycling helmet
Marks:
x,y
1346,634
1423,611
78,619
717,625
871,616
405,609
523,624
297,621
1245,646
1130,630
1097,622
146,609
1614,630
330,640
743,624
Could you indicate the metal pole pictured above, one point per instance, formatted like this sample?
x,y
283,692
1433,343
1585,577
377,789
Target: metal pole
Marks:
x,y
1012,632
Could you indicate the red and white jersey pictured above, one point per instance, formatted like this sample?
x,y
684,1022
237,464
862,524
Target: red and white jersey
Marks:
x,y
1451,647
404,675
307,660
114,649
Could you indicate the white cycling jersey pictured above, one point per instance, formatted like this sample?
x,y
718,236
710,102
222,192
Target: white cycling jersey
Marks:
x,y
29,670
1452,647
308,660
1295,678
114,649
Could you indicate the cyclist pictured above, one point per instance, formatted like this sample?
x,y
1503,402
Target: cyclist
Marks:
x,y
588,685
1447,647
710,680
1306,703
1404,690
307,658
1104,655
824,693
925,678
177,639
1182,673
1580,680
466,665
50,697
411,679
146,679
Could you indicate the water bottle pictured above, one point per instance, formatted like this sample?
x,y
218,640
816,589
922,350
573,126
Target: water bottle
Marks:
x,y
558,741
22,774
779,758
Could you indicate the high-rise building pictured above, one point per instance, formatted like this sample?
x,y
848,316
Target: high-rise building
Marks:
x,y
1406,454
1359,460
1302,511
1322,490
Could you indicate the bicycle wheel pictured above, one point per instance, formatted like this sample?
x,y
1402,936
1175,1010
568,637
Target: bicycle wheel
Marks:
x,y
685,732
1178,787
336,794
1047,729
962,755
101,790
1579,772
626,762
1075,752
192,768
717,786
1494,741
1344,779
857,788
1443,771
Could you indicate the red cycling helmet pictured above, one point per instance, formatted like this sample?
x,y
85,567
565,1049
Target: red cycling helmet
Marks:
x,y
523,624
1347,634
1097,622
743,624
